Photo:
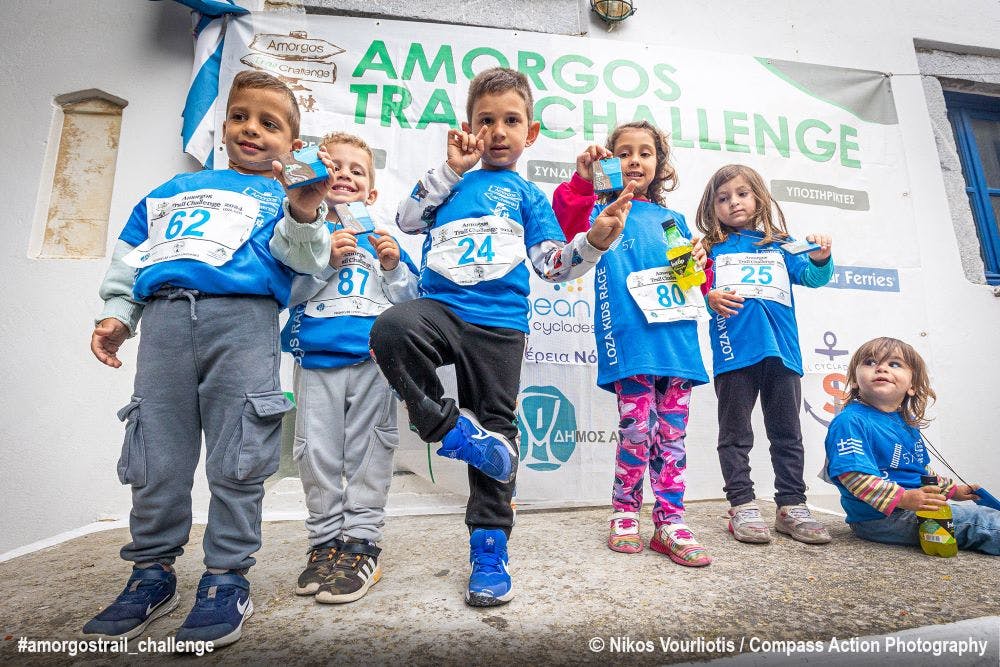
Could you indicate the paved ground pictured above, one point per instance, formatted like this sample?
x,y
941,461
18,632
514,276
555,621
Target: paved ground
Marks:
x,y
570,589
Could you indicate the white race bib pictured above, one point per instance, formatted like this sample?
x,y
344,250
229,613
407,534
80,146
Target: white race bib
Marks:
x,y
761,275
472,250
205,225
659,298
354,289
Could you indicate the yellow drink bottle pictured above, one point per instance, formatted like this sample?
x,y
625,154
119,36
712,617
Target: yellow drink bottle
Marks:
x,y
937,534
680,257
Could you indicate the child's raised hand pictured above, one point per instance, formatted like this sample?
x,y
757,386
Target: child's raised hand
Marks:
x,y
465,149
108,336
699,254
386,249
609,224
342,242
825,247
928,498
725,303
304,201
966,492
585,159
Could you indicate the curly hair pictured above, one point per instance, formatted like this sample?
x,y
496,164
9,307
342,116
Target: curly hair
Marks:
x,y
913,408
665,178
768,218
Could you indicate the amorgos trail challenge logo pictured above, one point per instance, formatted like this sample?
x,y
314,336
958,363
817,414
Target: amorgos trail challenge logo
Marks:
x,y
547,422
295,58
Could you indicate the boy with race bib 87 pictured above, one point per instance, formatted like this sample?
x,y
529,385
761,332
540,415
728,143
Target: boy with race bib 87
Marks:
x,y
345,422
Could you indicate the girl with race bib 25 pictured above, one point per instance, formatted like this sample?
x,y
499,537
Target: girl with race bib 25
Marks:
x,y
755,345
647,338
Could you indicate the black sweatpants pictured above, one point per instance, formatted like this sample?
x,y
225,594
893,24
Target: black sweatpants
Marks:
x,y
780,392
411,341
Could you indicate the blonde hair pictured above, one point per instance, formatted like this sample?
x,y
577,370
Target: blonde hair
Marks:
x,y
496,81
768,218
913,408
352,140
252,79
665,178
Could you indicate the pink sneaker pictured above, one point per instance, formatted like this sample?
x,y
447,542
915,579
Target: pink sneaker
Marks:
x,y
624,534
676,541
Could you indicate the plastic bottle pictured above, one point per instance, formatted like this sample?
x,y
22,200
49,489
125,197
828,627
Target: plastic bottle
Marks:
x,y
680,256
937,535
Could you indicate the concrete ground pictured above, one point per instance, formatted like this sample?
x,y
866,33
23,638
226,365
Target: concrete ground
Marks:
x,y
573,596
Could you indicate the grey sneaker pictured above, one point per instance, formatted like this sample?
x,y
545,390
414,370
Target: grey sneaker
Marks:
x,y
797,522
747,525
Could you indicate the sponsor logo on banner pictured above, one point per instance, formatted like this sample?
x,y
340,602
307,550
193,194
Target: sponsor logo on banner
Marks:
x,y
561,319
834,380
820,195
295,58
865,278
545,171
546,420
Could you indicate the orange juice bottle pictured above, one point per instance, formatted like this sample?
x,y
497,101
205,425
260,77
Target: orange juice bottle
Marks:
x,y
937,535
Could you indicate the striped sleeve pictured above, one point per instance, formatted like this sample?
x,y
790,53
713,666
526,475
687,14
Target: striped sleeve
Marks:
x,y
881,494
948,486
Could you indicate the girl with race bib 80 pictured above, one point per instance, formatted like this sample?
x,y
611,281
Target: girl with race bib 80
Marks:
x,y
647,338
755,345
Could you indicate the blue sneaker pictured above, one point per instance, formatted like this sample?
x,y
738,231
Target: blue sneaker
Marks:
x,y
490,583
222,606
488,451
151,592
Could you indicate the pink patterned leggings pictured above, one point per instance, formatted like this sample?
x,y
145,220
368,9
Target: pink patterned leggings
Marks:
x,y
654,415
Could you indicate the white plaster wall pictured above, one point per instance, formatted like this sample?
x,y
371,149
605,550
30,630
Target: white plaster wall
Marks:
x,y
60,441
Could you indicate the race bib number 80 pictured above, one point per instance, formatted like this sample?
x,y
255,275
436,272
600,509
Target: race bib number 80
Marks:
x,y
206,225
660,299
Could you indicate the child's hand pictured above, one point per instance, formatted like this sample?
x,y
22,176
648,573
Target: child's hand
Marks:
x,y
465,149
825,242
609,224
108,336
928,498
724,302
587,158
699,254
966,492
304,201
386,249
342,243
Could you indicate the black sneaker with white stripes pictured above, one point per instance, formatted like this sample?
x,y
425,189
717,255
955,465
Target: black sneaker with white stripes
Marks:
x,y
354,572
319,567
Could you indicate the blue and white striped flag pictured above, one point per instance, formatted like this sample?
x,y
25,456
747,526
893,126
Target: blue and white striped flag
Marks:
x,y
198,132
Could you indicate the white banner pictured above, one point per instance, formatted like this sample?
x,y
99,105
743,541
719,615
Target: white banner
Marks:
x,y
825,139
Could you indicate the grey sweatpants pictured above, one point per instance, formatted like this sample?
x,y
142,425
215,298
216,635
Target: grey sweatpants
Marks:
x,y
345,430
205,364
